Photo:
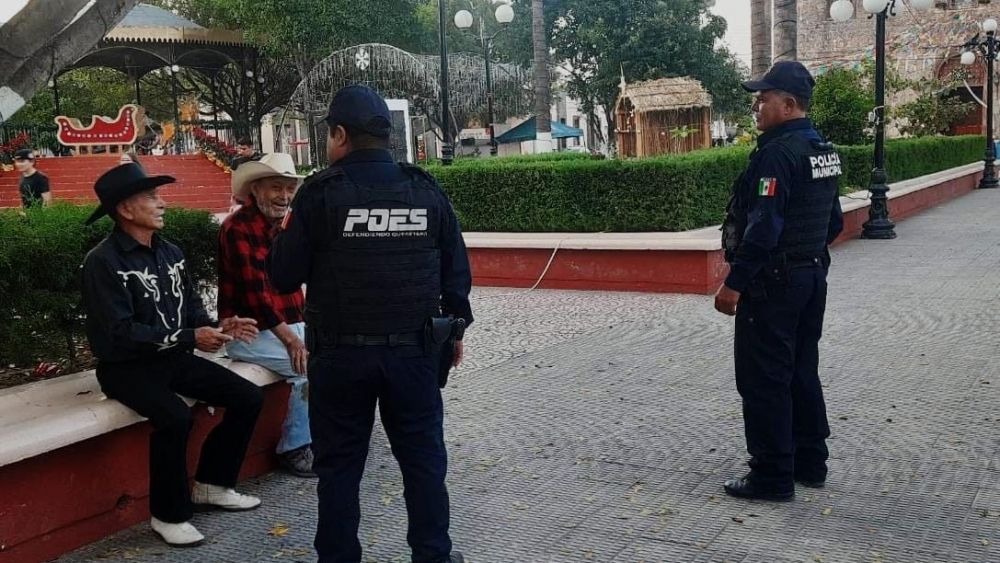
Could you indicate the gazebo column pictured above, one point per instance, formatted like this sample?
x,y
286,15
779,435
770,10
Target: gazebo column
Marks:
x,y
215,104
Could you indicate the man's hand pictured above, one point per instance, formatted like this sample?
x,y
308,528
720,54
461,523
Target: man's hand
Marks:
x,y
298,355
726,300
459,354
210,339
239,328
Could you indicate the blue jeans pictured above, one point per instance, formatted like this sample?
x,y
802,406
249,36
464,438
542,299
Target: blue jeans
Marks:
x,y
267,351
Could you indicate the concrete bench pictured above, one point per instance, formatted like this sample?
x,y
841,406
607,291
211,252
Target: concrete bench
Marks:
x,y
74,464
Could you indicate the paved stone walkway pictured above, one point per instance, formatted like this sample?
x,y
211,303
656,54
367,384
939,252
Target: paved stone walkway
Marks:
x,y
600,426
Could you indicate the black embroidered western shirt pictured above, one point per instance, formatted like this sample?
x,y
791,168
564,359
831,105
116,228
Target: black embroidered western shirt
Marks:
x,y
140,300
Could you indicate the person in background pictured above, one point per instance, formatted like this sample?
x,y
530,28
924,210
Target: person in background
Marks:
x,y
34,184
245,152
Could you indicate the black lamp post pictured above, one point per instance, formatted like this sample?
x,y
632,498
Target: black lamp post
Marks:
x,y
878,226
463,20
989,48
446,148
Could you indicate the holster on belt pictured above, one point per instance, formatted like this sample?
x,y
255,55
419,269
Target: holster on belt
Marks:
x,y
440,335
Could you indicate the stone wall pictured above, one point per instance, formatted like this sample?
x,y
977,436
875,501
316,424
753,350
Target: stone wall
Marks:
x,y
917,43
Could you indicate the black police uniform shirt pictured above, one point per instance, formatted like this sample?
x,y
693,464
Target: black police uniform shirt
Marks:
x,y
140,300
766,213
32,187
290,257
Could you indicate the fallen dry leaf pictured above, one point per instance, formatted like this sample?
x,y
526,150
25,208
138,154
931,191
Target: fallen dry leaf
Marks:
x,y
279,530
984,541
827,511
737,519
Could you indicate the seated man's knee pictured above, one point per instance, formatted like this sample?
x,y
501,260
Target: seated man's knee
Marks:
x,y
175,420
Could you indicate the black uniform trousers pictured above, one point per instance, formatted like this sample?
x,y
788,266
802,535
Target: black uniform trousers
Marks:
x,y
345,383
779,322
150,388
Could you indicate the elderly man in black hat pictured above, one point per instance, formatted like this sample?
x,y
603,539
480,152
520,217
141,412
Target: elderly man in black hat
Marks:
x,y
144,320
784,211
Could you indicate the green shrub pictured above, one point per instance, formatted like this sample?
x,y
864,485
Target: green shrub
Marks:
x,y
840,105
40,257
669,193
909,158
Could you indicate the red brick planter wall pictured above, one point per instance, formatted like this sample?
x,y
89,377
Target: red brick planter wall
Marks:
x,y
69,497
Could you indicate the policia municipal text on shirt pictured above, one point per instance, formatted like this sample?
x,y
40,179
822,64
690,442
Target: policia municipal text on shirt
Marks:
x,y
380,249
784,212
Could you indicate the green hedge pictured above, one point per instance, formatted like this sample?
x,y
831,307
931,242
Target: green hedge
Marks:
x,y
910,158
670,193
40,257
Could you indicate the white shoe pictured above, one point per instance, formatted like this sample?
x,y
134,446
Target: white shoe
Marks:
x,y
177,535
214,496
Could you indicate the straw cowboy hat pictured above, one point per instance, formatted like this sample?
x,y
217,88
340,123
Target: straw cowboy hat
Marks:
x,y
269,165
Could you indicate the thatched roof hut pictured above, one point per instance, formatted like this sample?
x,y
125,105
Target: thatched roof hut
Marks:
x,y
669,115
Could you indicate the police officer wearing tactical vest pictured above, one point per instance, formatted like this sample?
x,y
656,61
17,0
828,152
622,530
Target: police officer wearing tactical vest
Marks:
x,y
381,252
784,212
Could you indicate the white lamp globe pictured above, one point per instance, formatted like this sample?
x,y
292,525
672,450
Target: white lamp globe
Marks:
x,y
175,68
875,6
841,10
921,5
968,58
990,25
504,13
463,19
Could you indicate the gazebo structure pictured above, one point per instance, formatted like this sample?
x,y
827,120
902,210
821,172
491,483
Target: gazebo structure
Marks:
x,y
669,115
150,38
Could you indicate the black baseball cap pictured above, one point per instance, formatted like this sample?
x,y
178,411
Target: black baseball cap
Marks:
x,y
789,76
24,154
361,109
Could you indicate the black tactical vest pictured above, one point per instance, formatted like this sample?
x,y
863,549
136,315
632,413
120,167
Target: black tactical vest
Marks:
x,y
810,201
809,205
378,271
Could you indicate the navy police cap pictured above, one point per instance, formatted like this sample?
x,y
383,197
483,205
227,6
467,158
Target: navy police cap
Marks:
x,y
789,76
361,109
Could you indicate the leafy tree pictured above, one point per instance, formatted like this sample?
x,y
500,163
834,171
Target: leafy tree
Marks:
x,y
647,39
935,109
841,102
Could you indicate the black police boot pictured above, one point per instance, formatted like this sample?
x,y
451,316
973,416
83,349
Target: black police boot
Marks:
x,y
810,481
745,487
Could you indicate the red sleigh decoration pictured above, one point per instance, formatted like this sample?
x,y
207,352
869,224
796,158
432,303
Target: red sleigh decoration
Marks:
x,y
120,132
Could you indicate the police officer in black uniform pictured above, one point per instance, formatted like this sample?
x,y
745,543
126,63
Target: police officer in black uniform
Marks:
x,y
784,213
381,252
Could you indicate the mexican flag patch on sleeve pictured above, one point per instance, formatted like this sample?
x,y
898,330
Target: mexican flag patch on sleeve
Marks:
x,y
767,187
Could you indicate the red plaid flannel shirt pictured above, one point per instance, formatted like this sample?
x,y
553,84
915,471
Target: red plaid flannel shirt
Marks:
x,y
244,288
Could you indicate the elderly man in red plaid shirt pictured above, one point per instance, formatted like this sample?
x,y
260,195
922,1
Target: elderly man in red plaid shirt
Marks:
x,y
267,187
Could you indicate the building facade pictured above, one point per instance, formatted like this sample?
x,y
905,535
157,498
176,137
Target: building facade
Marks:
x,y
918,44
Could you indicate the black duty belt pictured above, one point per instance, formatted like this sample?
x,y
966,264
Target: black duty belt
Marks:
x,y
804,262
402,339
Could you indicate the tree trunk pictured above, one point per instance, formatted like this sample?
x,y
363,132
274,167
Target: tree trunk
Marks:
x,y
67,44
26,32
786,25
760,38
543,102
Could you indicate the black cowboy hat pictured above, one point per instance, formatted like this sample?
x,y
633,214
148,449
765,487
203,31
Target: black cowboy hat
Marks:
x,y
121,183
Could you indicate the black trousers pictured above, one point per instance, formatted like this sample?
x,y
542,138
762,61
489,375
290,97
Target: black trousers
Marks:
x,y
150,388
345,383
779,322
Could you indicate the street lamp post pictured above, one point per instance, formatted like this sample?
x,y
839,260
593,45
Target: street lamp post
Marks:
x,y
878,226
989,48
463,20
446,148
